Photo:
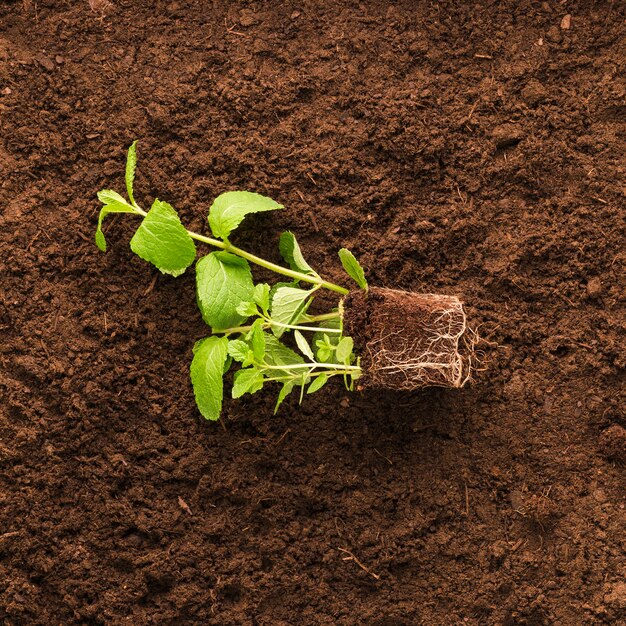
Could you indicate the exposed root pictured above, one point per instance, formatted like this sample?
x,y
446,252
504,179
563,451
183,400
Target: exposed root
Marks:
x,y
417,340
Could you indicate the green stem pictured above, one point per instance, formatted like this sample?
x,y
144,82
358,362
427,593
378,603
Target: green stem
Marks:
x,y
344,368
278,269
322,317
311,375
315,329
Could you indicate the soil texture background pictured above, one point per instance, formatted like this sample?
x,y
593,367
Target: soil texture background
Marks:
x,y
467,148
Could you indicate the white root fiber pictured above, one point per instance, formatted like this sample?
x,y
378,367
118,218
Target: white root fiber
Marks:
x,y
432,346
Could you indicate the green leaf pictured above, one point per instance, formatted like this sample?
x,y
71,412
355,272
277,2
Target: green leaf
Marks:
x,y
247,381
286,389
288,304
206,370
353,267
277,353
131,164
318,383
246,309
238,349
104,211
321,339
323,355
290,251
223,281
258,342
344,349
276,286
262,296
303,344
108,196
163,241
229,209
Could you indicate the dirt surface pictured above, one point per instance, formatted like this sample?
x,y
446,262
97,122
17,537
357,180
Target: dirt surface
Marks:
x,y
468,148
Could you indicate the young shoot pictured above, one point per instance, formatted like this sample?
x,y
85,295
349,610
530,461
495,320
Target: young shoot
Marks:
x,y
264,332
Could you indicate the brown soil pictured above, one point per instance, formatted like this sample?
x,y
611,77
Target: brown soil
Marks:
x,y
473,149
408,340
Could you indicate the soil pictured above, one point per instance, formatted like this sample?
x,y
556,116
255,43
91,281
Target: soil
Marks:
x,y
473,149
407,340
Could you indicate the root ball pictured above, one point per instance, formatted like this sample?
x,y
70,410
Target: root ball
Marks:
x,y
408,340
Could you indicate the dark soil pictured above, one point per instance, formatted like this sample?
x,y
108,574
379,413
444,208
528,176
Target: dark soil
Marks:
x,y
472,148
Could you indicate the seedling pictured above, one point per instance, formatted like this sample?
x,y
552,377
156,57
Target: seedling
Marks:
x,y
267,332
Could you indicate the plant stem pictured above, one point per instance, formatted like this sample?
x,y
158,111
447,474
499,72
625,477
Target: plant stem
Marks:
x,y
278,269
322,317
344,368
314,318
328,373
315,329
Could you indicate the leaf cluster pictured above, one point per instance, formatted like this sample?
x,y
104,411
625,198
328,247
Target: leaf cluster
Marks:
x,y
256,328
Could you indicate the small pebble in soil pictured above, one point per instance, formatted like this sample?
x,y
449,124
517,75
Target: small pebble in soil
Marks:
x,y
507,135
46,62
247,19
533,93
594,287
554,35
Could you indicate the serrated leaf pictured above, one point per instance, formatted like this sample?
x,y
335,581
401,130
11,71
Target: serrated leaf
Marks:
x,y
262,296
318,383
229,209
223,281
247,381
303,344
131,164
108,196
288,304
323,355
277,353
285,390
344,349
162,240
206,370
246,309
258,342
276,286
321,338
238,349
290,251
353,268
104,211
